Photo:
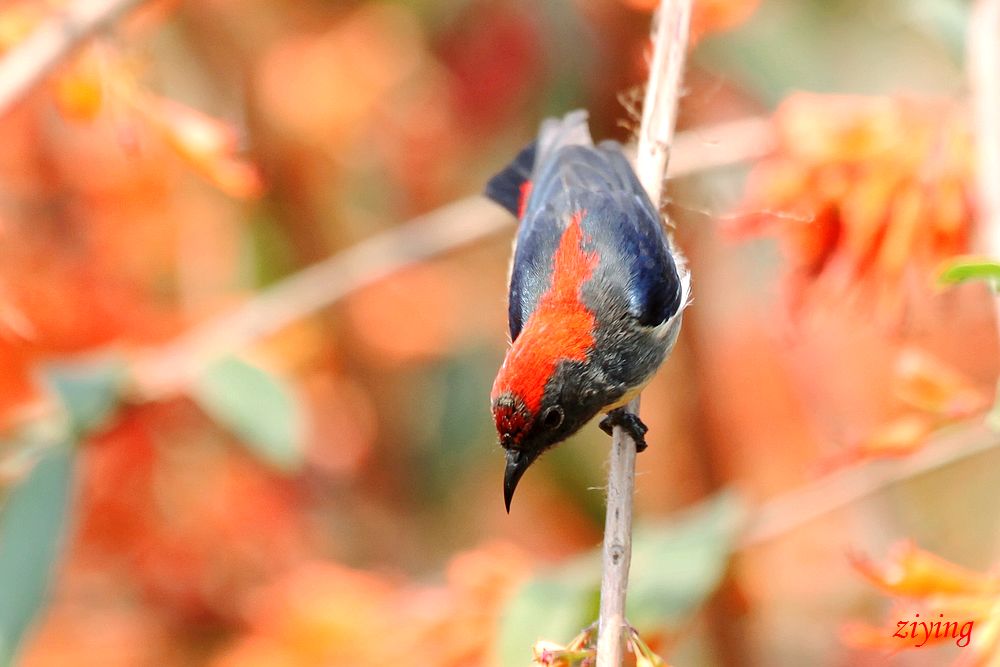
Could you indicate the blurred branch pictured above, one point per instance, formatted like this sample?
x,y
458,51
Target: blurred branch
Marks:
x,y
984,65
170,368
838,490
55,39
720,145
656,134
659,110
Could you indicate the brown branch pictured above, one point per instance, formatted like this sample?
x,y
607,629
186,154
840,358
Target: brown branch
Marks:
x,y
656,135
835,491
54,40
720,145
170,368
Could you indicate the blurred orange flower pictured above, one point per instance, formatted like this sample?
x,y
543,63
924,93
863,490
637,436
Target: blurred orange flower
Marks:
x,y
914,572
935,394
864,193
327,614
708,16
929,384
207,144
79,87
939,592
420,301
350,72
17,20
193,522
88,217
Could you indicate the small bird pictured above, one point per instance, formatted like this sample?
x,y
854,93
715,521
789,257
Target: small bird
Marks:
x,y
595,296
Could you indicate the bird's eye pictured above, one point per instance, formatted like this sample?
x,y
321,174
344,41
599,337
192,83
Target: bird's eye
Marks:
x,y
552,417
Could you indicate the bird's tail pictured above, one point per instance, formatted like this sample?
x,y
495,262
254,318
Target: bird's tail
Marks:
x,y
510,188
570,130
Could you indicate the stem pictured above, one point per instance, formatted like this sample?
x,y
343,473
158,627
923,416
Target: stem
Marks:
x,y
617,552
656,135
55,39
984,63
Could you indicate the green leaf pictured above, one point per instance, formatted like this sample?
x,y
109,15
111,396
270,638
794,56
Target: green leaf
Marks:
x,y
32,525
255,405
555,605
945,21
676,565
964,269
89,391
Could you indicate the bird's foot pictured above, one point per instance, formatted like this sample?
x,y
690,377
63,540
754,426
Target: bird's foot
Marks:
x,y
630,423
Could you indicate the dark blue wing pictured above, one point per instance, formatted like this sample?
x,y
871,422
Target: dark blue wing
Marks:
x,y
635,264
531,270
506,188
636,260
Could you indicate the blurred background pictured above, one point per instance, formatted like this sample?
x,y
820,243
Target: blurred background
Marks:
x,y
213,456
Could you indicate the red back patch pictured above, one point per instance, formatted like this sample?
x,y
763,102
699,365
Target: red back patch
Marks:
x,y
522,203
560,328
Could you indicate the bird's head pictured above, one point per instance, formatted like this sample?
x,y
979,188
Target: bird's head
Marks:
x,y
529,425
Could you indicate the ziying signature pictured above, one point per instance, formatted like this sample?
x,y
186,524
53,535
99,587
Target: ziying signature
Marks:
x,y
925,631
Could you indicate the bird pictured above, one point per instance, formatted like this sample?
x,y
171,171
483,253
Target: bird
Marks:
x,y
596,292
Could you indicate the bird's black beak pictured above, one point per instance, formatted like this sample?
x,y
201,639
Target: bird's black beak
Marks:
x,y
517,463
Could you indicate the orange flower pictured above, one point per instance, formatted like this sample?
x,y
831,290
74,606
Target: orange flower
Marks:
x,y
895,438
327,614
420,301
939,602
196,523
708,16
207,144
863,193
913,572
17,20
79,87
930,385
936,395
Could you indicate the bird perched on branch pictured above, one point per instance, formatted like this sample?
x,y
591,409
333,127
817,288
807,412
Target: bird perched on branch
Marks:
x,y
595,298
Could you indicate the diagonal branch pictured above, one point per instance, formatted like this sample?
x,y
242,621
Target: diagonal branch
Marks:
x,y
799,507
55,39
171,368
465,221
656,135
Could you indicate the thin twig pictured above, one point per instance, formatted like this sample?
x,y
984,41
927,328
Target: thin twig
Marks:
x,y
656,135
835,491
55,39
171,368
719,145
659,111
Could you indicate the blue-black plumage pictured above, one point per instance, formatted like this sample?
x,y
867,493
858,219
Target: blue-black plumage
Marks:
x,y
595,296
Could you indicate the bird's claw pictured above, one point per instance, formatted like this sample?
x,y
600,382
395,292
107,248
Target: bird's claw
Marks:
x,y
630,422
